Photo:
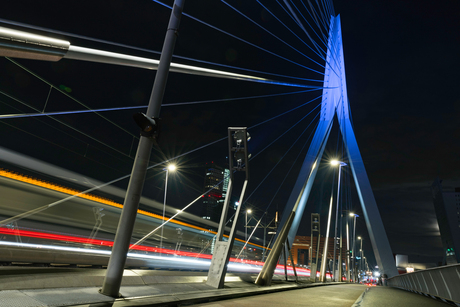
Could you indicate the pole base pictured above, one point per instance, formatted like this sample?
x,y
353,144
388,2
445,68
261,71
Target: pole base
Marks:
x,y
117,296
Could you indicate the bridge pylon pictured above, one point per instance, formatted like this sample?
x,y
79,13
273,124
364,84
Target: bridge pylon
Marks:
x,y
335,102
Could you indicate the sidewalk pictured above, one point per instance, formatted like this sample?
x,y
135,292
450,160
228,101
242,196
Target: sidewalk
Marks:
x,y
391,297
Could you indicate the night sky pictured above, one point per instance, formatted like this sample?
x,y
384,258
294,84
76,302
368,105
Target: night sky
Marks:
x,y
401,61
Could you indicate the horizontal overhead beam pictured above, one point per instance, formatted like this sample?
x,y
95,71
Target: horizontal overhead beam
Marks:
x,y
20,44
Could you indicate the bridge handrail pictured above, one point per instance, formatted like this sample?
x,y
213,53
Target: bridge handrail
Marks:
x,y
440,282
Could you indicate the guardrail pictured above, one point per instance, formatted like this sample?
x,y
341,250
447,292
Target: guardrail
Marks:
x,y
440,283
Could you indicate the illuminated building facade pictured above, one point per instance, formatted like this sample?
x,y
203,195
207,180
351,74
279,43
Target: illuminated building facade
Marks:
x,y
215,185
302,247
447,208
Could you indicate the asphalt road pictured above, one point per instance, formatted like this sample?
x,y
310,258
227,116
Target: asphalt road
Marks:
x,y
332,296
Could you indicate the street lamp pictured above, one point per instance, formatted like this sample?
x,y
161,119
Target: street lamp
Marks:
x,y
249,211
340,164
170,168
353,245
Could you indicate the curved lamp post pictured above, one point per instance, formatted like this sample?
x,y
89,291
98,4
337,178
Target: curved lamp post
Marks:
x,y
249,211
353,246
339,264
170,168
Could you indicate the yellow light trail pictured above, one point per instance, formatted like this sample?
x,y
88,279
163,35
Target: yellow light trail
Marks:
x,y
98,199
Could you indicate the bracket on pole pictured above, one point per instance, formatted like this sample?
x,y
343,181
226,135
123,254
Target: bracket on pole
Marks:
x,y
238,161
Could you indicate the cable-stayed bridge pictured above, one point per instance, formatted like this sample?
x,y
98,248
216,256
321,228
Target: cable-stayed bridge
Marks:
x,y
313,66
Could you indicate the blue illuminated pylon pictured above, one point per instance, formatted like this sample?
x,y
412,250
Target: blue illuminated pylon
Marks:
x,y
335,101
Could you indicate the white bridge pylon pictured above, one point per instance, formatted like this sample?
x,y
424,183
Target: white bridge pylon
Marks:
x,y
335,101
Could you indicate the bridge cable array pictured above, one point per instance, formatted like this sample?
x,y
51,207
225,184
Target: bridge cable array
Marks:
x,y
321,21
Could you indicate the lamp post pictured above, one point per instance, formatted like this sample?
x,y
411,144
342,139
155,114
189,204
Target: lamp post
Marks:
x,y
340,164
361,254
170,168
348,251
353,246
249,211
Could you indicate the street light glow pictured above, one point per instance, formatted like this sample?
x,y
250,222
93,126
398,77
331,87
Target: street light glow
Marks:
x,y
171,167
359,238
335,162
352,214
249,211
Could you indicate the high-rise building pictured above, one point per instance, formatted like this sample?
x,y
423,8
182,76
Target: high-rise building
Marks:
x,y
447,208
215,185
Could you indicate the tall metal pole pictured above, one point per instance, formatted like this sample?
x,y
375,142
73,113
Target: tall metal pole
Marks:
x,y
348,249
361,254
317,254
265,231
337,219
353,269
114,274
246,235
164,206
340,260
322,273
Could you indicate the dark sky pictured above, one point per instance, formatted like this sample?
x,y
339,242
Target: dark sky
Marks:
x,y
401,60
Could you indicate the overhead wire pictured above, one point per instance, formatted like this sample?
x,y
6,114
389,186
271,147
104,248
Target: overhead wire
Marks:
x,y
42,208
66,125
27,131
280,136
284,42
313,15
292,32
272,169
295,18
287,151
55,144
322,23
300,24
315,18
327,8
66,94
8,116
323,16
290,169
333,54
242,40
322,39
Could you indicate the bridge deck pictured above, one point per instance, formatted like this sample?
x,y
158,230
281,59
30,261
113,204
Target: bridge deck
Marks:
x,y
163,288
335,296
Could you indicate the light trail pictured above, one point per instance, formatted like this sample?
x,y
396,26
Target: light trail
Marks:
x,y
98,199
187,257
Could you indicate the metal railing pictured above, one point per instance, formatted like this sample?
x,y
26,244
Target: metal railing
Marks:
x,y
441,283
